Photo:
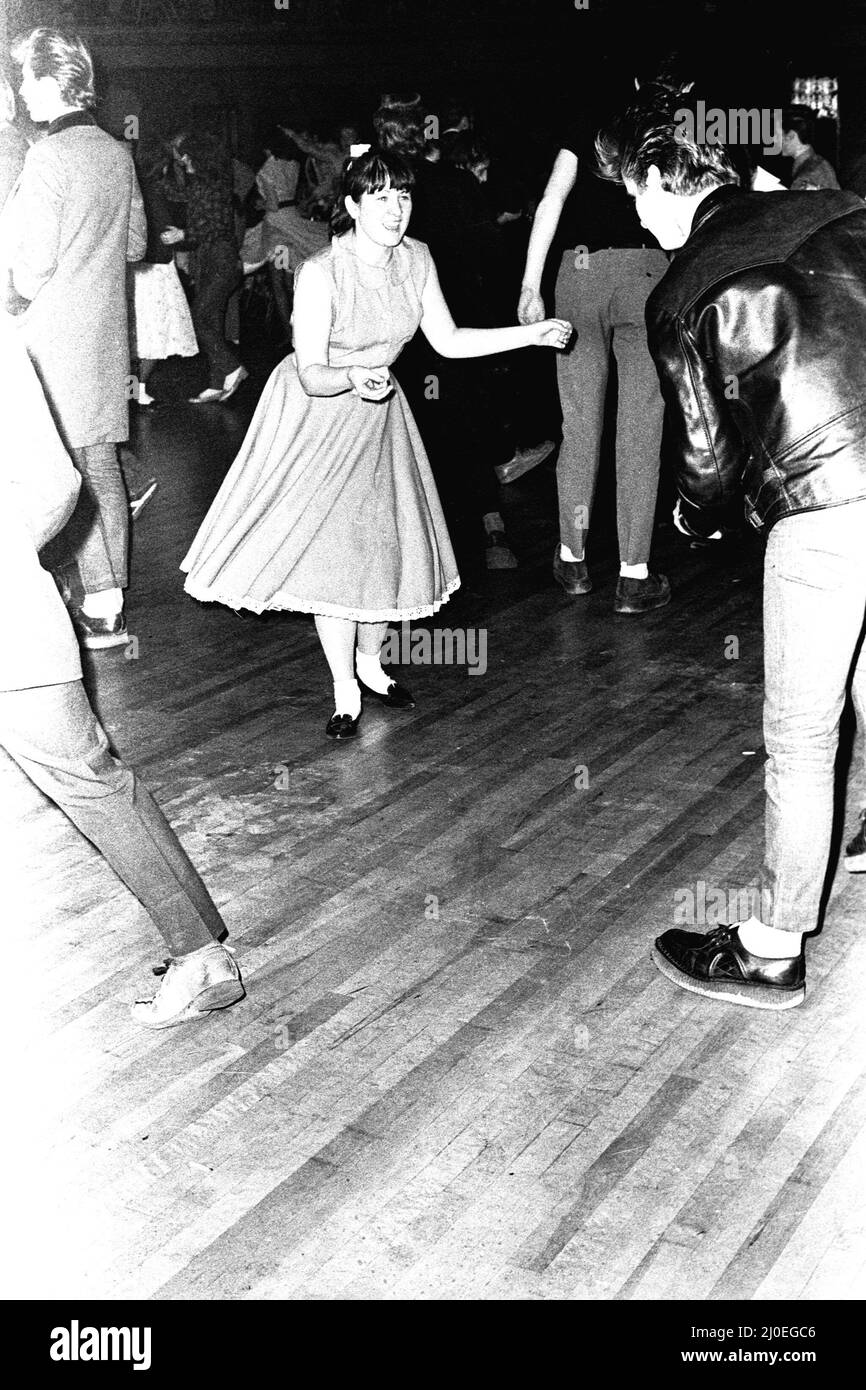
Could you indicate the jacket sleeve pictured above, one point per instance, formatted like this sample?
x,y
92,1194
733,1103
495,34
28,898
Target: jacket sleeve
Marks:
x,y
709,449
37,472
33,233
136,241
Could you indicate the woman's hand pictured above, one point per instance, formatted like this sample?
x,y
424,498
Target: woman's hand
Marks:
x,y
370,383
555,333
171,235
530,308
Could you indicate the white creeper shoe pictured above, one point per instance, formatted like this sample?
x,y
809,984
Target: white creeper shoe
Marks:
x,y
192,986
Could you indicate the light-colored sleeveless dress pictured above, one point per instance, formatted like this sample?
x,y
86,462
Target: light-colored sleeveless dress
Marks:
x,y
330,506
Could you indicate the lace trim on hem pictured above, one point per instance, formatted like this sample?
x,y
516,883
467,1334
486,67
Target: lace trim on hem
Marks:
x,y
204,594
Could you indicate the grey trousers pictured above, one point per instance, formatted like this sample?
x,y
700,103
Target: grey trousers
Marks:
x,y
605,300
95,539
54,736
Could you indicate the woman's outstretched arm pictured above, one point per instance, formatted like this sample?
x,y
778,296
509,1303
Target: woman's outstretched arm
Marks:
x,y
448,340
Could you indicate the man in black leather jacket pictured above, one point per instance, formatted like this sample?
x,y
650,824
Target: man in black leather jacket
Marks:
x,y
757,330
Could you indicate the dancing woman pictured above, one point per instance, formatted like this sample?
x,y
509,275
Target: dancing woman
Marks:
x,y
330,508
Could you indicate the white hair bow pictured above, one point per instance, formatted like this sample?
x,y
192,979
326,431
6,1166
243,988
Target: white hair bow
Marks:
x,y
355,151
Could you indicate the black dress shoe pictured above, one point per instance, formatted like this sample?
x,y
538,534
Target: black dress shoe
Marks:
x,y
719,966
641,595
342,726
395,697
571,575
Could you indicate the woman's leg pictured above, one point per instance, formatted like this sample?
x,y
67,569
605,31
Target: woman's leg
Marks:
x,y
367,662
337,636
370,638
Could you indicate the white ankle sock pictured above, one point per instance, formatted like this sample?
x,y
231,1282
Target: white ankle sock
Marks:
x,y
347,698
493,522
634,572
107,603
769,942
567,554
370,671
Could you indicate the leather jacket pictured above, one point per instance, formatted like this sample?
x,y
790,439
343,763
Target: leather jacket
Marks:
x,y
758,332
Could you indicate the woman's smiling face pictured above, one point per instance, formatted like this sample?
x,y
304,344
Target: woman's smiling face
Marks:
x,y
382,216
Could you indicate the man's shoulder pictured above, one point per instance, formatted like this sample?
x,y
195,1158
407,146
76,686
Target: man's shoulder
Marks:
x,y
81,144
744,232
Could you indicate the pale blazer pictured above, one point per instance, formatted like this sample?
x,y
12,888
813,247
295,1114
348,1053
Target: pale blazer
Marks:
x,y
73,220
38,491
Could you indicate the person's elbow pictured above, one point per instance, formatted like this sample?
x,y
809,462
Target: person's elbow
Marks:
x,y
443,341
308,376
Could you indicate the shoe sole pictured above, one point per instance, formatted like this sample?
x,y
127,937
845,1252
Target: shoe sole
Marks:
x,y
219,996
100,644
730,991
138,506
627,608
856,863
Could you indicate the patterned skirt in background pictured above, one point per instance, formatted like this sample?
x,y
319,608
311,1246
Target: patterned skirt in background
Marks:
x,y
160,323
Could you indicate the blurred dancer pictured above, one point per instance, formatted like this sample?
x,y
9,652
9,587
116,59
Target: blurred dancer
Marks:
x,y
49,728
73,221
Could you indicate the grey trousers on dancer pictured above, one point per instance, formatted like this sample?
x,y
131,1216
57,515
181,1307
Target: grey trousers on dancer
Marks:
x,y
605,300
54,736
95,539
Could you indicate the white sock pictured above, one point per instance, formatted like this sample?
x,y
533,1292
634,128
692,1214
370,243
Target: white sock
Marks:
x,y
370,671
493,522
347,698
567,554
769,942
633,572
107,603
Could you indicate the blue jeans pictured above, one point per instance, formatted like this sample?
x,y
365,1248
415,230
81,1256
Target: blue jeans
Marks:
x,y
53,735
814,611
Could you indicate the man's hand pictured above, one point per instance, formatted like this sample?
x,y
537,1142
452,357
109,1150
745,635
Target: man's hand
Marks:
x,y
530,308
683,526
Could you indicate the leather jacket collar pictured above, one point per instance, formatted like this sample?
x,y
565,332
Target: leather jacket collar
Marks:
x,y
714,200
72,118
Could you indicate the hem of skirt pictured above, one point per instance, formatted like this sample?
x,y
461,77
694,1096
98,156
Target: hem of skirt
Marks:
x,y
206,594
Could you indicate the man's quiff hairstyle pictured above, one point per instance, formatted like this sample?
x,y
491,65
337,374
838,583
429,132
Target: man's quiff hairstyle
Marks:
x,y
662,133
65,57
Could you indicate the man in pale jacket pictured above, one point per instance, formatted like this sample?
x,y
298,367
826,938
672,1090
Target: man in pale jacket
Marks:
x,y
48,727
73,220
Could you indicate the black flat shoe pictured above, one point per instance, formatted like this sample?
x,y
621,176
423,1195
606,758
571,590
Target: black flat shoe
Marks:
x,y
342,726
719,966
395,697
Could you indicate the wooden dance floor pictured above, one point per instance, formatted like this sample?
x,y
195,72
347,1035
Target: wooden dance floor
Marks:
x,y
457,1074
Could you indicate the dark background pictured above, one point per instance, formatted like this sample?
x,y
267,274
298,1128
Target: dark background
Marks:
x,y
524,65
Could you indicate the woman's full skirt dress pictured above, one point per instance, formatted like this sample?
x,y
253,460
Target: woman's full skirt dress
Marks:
x,y
330,507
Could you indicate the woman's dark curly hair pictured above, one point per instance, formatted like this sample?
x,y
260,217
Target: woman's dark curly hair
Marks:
x,y
369,173
210,160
